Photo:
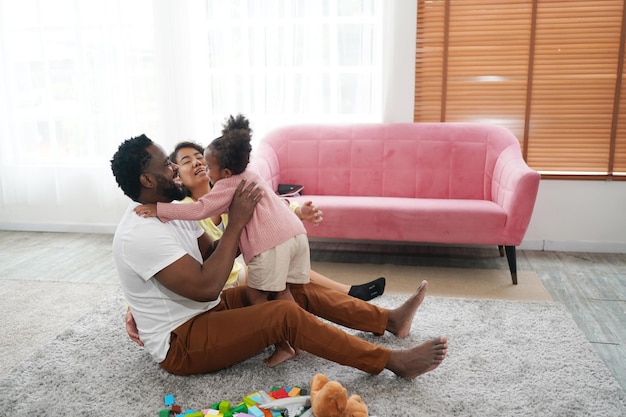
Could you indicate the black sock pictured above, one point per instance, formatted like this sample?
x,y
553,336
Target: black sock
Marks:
x,y
368,290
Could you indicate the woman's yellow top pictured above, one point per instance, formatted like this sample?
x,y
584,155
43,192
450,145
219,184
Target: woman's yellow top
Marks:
x,y
215,233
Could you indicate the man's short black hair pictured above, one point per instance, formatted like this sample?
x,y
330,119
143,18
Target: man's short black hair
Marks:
x,y
129,162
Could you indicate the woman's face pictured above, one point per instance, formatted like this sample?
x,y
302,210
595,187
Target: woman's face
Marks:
x,y
191,168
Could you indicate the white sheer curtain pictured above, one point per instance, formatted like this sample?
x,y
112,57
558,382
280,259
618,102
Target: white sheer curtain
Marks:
x,y
283,62
79,76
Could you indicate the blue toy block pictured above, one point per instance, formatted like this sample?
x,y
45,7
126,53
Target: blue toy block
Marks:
x,y
169,399
255,411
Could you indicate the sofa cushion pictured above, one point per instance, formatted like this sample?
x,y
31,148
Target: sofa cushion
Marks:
x,y
407,219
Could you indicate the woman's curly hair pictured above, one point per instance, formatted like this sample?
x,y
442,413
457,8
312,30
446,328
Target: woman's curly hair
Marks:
x,y
129,162
232,149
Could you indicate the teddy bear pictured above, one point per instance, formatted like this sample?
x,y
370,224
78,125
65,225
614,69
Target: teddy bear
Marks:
x,y
330,399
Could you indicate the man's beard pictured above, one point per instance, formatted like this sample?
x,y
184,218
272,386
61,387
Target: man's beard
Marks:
x,y
170,189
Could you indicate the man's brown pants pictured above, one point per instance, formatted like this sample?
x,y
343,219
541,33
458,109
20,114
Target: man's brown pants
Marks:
x,y
234,331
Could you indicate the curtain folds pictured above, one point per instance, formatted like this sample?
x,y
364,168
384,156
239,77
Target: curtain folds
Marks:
x,y
77,78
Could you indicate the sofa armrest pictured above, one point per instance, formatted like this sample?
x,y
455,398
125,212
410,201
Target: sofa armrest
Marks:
x,y
514,188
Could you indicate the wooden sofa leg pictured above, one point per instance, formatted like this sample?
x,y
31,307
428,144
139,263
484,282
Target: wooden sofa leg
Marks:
x,y
510,256
501,249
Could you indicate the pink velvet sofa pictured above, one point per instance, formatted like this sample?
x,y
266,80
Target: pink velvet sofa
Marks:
x,y
451,183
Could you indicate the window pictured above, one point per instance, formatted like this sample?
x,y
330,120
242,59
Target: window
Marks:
x,y
78,77
550,71
73,72
282,62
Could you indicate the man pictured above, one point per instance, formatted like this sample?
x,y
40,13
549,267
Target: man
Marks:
x,y
172,276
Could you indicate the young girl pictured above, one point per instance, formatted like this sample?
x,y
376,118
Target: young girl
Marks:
x,y
274,243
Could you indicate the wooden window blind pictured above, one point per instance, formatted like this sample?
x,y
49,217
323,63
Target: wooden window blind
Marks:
x,y
550,71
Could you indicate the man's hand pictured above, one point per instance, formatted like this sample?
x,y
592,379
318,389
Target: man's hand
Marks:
x,y
131,328
244,201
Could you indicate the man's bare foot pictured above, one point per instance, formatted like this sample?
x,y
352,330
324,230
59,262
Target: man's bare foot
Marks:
x,y
410,363
282,352
401,318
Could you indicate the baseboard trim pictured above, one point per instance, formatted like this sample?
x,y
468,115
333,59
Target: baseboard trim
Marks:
x,y
541,245
59,227
570,246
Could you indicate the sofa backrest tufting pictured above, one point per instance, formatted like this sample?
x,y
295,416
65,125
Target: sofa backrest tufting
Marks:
x,y
416,160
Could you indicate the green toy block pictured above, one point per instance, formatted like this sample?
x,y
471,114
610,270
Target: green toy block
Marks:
x,y
241,408
224,407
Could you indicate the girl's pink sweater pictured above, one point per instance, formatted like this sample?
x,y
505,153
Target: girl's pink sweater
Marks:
x,y
271,224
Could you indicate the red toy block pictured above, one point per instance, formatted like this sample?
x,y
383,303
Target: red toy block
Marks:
x,y
279,393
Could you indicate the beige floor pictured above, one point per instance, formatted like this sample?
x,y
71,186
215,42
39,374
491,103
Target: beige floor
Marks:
x,y
443,282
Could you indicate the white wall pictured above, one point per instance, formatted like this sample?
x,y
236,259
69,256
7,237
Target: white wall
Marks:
x,y
579,216
568,216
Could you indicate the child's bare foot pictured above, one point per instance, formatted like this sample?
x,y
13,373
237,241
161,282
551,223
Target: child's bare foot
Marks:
x,y
282,352
410,363
401,318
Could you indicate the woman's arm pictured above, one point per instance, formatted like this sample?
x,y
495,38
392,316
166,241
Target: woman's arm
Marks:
x,y
307,212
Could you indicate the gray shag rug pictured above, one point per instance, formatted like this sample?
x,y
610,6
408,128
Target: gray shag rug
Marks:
x,y
505,358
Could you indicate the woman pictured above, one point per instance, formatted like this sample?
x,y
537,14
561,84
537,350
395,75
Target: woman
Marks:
x,y
189,157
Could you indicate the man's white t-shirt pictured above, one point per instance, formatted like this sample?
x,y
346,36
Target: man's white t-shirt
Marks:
x,y
141,248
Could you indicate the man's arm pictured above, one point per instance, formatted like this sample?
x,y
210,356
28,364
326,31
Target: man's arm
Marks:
x,y
204,282
206,245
